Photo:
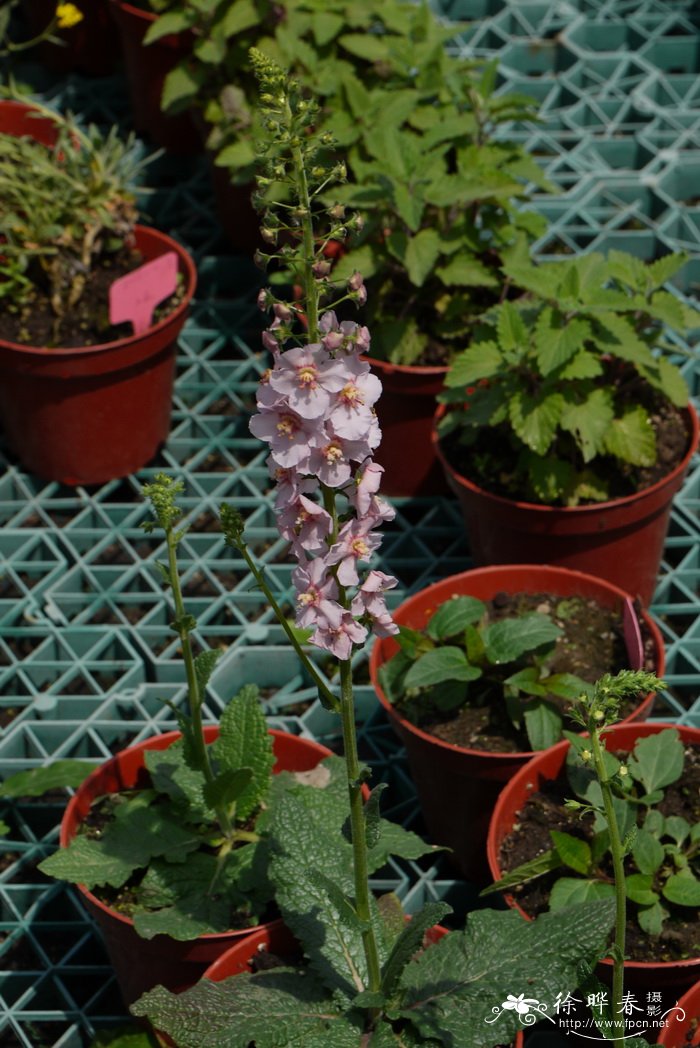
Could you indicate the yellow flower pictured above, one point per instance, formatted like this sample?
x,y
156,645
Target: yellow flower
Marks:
x,y
68,15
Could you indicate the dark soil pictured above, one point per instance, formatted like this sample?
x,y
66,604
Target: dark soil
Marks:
x,y
592,644
544,811
88,323
491,460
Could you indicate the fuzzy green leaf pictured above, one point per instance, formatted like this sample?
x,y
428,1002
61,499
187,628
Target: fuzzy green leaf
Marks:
x,y
573,852
36,781
226,788
172,773
677,828
512,333
543,723
527,871
454,986
631,438
439,665
454,615
241,15
508,639
558,342
657,760
171,22
483,360
204,665
638,888
647,852
590,422
683,889
651,918
463,271
535,418
422,252
244,742
282,1008
568,891
409,943
180,86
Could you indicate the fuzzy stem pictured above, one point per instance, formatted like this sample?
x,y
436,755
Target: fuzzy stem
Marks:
x,y
193,692
308,278
617,853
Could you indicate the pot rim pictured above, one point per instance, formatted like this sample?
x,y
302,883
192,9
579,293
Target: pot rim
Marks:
x,y
549,571
437,371
186,266
625,500
171,736
692,735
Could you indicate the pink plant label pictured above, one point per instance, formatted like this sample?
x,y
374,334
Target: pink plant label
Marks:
x,y
633,636
135,296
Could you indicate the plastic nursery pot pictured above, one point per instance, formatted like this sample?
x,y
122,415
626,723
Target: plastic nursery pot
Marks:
x,y
621,540
671,977
146,69
95,413
684,1033
87,47
405,411
458,787
19,118
277,939
143,963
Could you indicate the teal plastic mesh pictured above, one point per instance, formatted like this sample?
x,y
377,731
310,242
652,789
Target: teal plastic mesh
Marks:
x,y
87,660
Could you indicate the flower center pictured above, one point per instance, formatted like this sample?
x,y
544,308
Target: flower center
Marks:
x,y
287,427
306,376
360,549
332,453
351,395
310,597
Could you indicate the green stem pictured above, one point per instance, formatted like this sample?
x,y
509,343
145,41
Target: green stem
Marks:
x,y
308,279
318,680
193,693
357,825
618,855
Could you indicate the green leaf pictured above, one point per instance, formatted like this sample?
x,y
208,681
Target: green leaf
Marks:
x,y
527,871
543,723
464,271
657,760
171,22
677,828
483,360
366,46
558,341
571,890
227,787
647,852
180,86
204,665
244,742
33,783
124,1037
454,615
172,774
508,639
683,889
240,15
137,834
631,438
422,252
409,943
672,383
651,918
623,341
573,852
512,333
590,422
535,418
454,986
394,840
638,888
439,665
372,816
271,1009
391,676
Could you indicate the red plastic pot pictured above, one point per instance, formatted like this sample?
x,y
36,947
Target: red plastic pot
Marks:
x,y
143,963
684,1033
278,939
621,540
19,118
87,46
674,977
89,415
146,69
405,411
458,787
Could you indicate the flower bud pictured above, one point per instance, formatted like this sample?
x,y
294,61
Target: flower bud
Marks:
x,y
337,212
321,268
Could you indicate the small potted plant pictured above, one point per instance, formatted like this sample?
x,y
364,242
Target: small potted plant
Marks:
x,y
568,428
360,973
91,303
622,821
167,841
481,675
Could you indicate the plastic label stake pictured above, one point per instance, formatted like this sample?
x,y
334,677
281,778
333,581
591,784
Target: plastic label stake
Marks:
x,y
633,636
135,296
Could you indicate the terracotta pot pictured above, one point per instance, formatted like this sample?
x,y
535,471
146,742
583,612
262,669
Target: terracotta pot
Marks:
x,y
405,411
276,938
89,415
87,47
670,977
20,118
146,70
143,963
458,787
621,540
684,1033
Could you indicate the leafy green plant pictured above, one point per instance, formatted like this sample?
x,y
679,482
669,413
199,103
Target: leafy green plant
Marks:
x,y
460,653
654,859
76,211
367,978
556,394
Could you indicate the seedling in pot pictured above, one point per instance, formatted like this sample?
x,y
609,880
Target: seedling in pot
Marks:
x,y
460,655
367,977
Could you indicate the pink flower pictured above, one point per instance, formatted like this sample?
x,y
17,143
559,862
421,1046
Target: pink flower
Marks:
x,y
351,412
331,461
290,437
370,601
348,336
355,543
315,589
306,525
307,377
367,481
337,631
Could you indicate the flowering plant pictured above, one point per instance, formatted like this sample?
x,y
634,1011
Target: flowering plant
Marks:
x,y
65,17
362,981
